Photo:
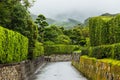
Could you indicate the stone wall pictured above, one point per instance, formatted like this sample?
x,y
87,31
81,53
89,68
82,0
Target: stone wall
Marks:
x,y
20,71
95,69
62,57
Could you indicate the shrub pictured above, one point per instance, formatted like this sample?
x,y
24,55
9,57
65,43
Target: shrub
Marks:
x,y
104,51
38,50
49,43
85,51
117,51
59,49
13,46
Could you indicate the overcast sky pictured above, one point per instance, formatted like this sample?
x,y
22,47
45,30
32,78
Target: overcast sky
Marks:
x,y
77,9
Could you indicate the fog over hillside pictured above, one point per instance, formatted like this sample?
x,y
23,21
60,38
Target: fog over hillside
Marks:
x,y
75,9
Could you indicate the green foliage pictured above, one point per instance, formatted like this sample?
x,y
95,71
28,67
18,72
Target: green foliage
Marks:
x,y
85,51
38,50
63,39
77,35
41,21
104,31
49,43
96,25
52,32
104,34
105,51
114,30
59,49
117,51
13,15
32,34
13,46
19,17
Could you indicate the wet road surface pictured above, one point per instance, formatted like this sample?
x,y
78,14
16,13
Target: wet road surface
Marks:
x,y
58,71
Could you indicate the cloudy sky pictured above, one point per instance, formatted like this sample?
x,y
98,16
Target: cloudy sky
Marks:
x,y
77,9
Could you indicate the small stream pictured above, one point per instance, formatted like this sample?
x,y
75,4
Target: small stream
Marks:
x,y
58,71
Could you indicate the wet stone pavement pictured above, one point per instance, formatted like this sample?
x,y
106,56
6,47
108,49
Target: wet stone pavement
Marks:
x,y
58,71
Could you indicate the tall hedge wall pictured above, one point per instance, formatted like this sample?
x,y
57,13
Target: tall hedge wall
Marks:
x,y
114,30
94,24
104,31
104,37
59,49
13,46
98,31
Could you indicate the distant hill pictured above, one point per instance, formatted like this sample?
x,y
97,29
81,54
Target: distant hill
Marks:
x,y
108,14
66,23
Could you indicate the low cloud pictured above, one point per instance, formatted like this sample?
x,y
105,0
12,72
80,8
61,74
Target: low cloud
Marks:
x,y
77,9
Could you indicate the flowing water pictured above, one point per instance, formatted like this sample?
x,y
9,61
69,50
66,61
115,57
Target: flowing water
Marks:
x,y
58,71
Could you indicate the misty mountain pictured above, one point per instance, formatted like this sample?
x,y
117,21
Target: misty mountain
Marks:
x,y
108,14
64,22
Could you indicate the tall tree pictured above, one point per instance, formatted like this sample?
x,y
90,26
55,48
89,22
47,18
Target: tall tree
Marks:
x,y
41,21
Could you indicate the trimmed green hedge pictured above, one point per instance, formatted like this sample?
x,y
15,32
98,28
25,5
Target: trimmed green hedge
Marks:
x,y
104,32
59,49
85,51
114,30
105,51
95,26
104,37
13,46
38,50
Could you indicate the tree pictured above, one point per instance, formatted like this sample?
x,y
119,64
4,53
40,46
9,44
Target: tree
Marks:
x,y
52,32
63,39
78,35
41,21
13,15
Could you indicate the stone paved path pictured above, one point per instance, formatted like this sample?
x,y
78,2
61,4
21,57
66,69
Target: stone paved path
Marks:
x,y
58,71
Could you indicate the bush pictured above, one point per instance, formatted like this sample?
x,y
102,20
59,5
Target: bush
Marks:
x,y
38,50
13,46
59,49
117,51
104,51
49,43
85,51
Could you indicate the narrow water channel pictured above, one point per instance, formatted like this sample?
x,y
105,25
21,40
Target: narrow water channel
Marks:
x,y
58,71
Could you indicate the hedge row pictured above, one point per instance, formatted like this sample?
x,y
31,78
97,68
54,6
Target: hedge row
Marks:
x,y
104,31
114,30
59,49
105,51
95,26
38,50
13,46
